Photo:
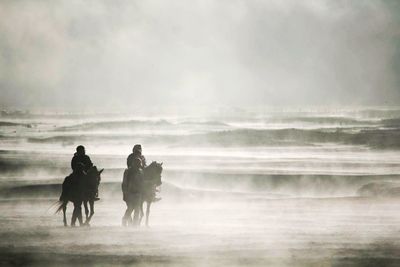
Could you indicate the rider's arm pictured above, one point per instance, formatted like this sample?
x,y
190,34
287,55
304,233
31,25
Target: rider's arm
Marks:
x,y
144,163
73,163
89,162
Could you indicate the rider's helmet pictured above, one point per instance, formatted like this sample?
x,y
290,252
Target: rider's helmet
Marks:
x,y
137,147
80,149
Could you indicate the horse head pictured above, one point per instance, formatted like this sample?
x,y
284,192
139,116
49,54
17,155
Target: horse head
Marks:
x,y
94,175
153,172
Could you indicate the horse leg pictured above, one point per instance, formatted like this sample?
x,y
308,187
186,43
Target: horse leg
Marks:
x,y
86,210
73,218
91,203
148,212
141,212
136,215
77,213
64,209
127,219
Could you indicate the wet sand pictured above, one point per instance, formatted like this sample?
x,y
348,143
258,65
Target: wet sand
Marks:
x,y
234,232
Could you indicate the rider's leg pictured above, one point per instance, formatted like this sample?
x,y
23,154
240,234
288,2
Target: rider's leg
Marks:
x,y
96,197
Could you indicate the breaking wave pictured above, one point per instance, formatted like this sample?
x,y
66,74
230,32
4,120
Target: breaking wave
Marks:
x,y
374,138
14,124
112,125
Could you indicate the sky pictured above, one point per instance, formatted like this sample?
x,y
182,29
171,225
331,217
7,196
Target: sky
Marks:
x,y
107,54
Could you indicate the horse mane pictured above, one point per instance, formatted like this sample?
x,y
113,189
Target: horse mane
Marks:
x,y
153,172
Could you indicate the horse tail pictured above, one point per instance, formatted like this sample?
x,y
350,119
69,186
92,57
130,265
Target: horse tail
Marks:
x,y
60,206
52,205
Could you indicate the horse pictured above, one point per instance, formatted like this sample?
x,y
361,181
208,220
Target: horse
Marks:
x,y
152,179
78,189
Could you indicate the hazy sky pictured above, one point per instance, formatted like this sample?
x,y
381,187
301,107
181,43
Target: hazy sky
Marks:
x,y
225,52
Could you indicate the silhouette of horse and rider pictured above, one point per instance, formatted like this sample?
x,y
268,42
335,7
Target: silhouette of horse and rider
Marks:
x,y
139,185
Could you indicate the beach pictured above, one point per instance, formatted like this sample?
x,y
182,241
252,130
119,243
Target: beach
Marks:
x,y
238,190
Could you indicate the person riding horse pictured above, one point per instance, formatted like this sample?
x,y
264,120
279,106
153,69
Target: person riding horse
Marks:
x,y
80,158
131,188
80,187
136,153
80,164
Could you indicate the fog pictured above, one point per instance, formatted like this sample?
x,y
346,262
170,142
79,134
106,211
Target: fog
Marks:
x,y
124,54
277,123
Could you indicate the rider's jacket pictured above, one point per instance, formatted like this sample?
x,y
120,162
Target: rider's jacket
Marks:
x,y
81,159
132,156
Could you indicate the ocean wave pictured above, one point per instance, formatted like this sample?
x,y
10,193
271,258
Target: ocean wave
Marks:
x,y
204,123
374,138
311,184
14,124
113,125
322,120
380,189
137,124
391,123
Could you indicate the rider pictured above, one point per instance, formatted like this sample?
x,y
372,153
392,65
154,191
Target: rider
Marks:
x,y
81,157
136,153
131,189
81,163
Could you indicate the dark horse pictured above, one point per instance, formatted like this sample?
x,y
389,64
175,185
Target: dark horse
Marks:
x,y
152,179
80,189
